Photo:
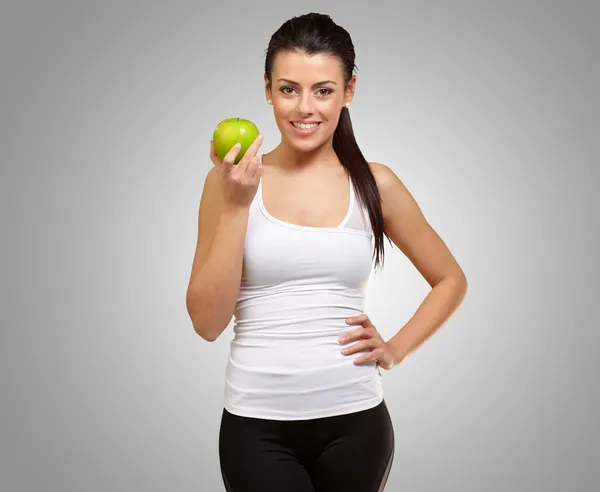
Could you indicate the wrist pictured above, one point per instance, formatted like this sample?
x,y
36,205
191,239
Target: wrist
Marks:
x,y
398,351
235,211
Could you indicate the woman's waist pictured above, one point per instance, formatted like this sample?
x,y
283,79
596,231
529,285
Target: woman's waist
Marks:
x,y
296,358
294,321
298,371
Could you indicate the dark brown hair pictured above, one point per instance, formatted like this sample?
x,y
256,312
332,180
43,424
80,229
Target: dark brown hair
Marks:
x,y
317,33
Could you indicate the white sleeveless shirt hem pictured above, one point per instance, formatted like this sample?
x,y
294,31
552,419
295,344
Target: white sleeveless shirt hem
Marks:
x,y
270,415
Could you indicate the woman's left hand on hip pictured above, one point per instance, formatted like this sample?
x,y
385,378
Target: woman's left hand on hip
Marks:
x,y
368,339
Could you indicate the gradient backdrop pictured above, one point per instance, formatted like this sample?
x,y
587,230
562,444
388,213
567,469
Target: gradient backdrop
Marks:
x,y
488,111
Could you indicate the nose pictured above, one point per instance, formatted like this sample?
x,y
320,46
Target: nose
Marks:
x,y
305,105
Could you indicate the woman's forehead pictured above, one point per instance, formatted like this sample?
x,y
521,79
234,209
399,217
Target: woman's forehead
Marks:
x,y
296,65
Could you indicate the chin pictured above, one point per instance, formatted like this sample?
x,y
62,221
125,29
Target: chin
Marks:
x,y
305,145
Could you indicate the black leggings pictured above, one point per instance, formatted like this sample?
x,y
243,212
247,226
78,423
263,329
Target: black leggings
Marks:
x,y
349,453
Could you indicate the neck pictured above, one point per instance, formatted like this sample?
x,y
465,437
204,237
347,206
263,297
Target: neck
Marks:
x,y
294,159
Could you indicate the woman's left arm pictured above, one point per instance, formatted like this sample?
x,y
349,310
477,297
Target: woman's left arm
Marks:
x,y
413,235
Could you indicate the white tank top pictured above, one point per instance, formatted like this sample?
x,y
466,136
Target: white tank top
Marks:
x,y
298,286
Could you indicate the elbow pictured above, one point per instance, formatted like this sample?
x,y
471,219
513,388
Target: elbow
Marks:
x,y
204,330
199,323
464,283
205,334
460,280
457,284
207,321
462,286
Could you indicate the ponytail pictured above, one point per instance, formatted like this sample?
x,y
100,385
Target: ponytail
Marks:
x,y
351,157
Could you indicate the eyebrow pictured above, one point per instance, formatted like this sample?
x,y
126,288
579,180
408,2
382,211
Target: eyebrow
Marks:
x,y
314,85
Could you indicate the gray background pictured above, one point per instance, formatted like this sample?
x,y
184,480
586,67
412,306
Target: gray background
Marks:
x,y
488,111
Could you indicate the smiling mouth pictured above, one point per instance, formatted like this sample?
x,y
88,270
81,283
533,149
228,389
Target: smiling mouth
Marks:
x,y
306,129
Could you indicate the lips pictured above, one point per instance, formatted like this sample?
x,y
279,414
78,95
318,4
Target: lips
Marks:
x,y
305,131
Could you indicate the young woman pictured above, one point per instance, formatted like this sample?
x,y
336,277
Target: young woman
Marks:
x,y
286,244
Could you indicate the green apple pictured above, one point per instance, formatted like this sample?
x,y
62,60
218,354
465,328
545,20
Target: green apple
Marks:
x,y
231,131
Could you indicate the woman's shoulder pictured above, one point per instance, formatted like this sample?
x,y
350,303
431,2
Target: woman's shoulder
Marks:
x,y
394,194
385,177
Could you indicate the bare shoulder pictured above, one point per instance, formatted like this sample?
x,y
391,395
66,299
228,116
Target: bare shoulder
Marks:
x,y
384,176
389,185
410,231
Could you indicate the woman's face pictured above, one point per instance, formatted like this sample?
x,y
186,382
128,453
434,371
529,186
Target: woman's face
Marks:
x,y
307,89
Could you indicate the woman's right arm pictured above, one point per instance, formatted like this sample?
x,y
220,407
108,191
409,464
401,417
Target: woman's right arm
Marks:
x,y
217,269
222,224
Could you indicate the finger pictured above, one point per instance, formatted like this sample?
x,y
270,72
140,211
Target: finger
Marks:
x,y
361,319
356,335
250,153
255,167
349,337
229,159
360,347
372,356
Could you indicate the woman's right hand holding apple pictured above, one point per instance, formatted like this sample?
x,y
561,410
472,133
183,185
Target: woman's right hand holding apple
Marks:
x,y
239,182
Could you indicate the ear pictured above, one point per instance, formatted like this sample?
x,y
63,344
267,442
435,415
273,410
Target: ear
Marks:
x,y
267,87
350,90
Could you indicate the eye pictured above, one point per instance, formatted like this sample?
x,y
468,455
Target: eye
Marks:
x,y
327,91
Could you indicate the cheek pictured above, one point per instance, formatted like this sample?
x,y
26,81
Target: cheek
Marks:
x,y
282,118
280,111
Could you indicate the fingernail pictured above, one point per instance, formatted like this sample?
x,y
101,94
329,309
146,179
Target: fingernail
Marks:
x,y
341,340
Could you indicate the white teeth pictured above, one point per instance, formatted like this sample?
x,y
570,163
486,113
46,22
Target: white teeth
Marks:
x,y
305,126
